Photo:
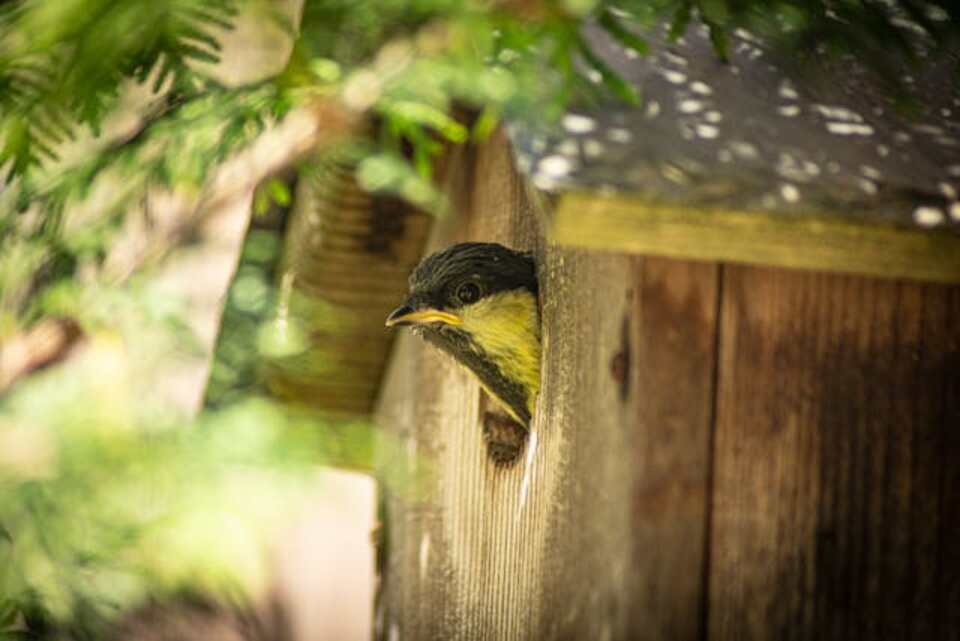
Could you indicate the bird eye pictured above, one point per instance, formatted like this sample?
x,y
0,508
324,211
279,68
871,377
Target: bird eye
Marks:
x,y
468,293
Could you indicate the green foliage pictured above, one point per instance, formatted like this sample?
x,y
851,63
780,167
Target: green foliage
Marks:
x,y
250,305
62,64
352,32
107,497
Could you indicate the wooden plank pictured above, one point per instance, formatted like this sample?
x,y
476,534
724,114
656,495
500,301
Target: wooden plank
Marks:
x,y
621,223
344,269
675,334
540,549
832,450
948,562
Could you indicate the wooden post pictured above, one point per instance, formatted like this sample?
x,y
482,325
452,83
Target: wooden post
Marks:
x,y
718,452
540,549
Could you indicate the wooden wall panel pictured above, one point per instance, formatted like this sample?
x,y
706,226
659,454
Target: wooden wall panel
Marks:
x,y
719,452
948,522
675,336
831,445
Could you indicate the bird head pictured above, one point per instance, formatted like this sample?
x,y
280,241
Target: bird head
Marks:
x,y
478,303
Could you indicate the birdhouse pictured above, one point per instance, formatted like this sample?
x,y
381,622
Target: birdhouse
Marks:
x,y
749,418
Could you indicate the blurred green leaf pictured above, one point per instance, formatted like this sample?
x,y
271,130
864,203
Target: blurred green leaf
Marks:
x,y
681,19
613,80
718,37
279,192
485,124
612,25
391,173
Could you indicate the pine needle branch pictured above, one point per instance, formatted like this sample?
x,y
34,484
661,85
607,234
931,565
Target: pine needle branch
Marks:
x,y
63,64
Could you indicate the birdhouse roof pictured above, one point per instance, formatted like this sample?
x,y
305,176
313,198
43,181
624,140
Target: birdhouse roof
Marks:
x,y
767,138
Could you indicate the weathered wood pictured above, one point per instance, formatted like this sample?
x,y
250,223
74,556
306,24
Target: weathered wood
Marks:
x,y
947,570
347,256
536,550
719,452
622,223
832,444
675,305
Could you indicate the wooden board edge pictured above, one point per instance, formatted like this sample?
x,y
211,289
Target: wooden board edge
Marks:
x,y
624,223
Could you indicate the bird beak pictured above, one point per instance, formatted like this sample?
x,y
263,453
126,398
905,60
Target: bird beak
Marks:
x,y
406,315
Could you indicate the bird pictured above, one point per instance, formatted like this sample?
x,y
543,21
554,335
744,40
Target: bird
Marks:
x,y
478,302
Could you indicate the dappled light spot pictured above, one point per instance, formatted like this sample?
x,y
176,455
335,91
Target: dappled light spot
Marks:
x,y
789,193
790,167
867,186
837,113
673,58
701,88
849,129
592,148
578,124
708,131
744,150
555,166
674,174
674,77
928,216
788,91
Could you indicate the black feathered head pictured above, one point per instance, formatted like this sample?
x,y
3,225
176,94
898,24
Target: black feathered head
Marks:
x,y
478,302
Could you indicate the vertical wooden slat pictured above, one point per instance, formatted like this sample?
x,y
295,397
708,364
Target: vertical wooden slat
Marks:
x,y
675,333
948,524
829,419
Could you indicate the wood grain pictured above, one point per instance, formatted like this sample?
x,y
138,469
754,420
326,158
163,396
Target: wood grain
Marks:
x,y
347,255
621,223
675,335
539,550
948,552
719,452
830,450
